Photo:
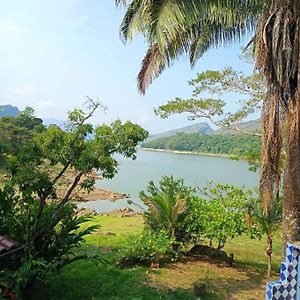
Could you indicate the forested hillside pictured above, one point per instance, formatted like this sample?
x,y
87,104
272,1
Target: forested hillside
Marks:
x,y
235,144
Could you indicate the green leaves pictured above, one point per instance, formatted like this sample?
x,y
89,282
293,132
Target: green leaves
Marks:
x,y
150,246
166,203
249,92
220,216
34,204
268,221
197,108
176,27
16,132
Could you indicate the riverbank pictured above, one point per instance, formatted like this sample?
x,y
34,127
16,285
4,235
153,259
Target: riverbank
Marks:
x,y
101,194
121,213
81,195
189,152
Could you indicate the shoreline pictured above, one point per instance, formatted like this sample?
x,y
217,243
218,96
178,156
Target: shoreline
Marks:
x,y
80,195
188,152
99,194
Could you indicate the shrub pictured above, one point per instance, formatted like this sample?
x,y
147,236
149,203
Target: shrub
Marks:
x,y
166,204
149,247
37,257
222,215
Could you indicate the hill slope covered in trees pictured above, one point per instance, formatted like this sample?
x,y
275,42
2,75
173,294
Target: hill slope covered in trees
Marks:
x,y
239,145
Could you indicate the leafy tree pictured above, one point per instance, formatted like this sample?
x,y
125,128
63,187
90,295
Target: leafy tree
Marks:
x,y
219,217
174,27
249,89
28,120
32,211
17,132
166,203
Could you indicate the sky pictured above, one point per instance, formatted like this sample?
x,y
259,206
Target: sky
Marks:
x,y
54,53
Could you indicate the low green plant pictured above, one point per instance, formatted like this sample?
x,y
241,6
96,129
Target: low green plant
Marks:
x,y
36,258
166,204
149,247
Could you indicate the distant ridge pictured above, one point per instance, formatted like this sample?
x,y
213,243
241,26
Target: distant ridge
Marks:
x,y
9,110
248,126
200,128
205,129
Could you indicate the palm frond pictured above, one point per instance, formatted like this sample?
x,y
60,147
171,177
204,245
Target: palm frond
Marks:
x,y
121,2
153,64
178,27
179,208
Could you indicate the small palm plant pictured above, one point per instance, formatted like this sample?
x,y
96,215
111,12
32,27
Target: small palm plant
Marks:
x,y
269,222
166,203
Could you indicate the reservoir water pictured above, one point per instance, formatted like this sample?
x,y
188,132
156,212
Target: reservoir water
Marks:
x,y
134,175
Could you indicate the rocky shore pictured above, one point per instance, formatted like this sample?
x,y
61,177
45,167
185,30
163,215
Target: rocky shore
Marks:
x,y
81,195
121,213
101,194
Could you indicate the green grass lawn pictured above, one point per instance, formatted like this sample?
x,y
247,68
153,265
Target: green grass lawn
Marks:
x,y
91,280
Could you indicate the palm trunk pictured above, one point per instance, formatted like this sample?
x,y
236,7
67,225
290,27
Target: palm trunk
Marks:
x,y
291,203
291,186
269,253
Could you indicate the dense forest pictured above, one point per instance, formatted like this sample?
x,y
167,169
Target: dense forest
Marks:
x,y
236,144
15,132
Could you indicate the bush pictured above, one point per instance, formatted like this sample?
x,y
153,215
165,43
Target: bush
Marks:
x,y
166,204
221,216
38,256
148,247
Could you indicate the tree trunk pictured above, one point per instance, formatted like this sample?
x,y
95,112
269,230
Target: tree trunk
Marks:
x,y
269,253
291,186
291,194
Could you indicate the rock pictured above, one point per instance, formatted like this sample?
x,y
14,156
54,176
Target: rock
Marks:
x,y
199,289
202,250
85,211
124,212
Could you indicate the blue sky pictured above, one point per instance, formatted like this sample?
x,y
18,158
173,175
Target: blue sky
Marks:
x,y
54,53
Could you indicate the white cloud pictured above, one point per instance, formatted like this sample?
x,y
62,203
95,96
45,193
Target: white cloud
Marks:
x,y
14,94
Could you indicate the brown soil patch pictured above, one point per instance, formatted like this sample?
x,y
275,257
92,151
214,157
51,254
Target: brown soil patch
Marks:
x,y
234,283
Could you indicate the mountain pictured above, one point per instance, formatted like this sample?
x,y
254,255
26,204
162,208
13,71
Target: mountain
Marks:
x,y
248,126
205,129
200,128
9,110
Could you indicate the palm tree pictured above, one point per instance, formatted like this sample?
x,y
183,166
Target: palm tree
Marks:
x,y
166,203
268,223
176,27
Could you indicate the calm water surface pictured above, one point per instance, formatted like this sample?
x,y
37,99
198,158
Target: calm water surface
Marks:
x,y
197,171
